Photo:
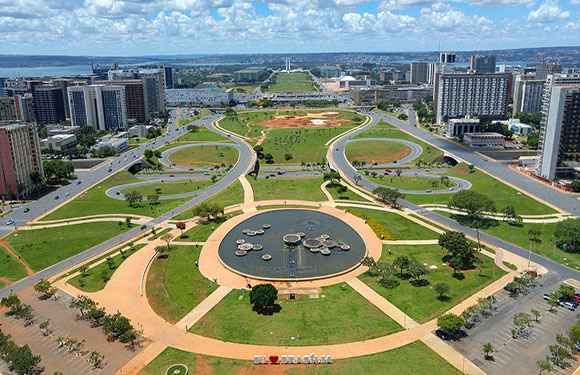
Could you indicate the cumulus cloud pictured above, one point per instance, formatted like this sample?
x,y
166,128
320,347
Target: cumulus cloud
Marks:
x,y
549,11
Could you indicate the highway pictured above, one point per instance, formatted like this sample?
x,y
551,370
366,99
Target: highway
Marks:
x,y
39,207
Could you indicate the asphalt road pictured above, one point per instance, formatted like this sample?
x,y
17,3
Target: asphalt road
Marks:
x,y
47,202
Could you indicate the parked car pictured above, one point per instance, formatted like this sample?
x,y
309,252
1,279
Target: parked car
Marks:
x,y
546,296
569,305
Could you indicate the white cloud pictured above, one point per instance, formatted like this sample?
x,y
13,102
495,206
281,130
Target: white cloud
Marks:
x,y
549,11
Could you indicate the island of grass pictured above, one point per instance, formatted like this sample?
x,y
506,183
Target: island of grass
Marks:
x,y
411,182
385,130
175,285
292,82
481,182
303,188
202,156
95,202
11,270
96,278
348,195
410,359
233,194
376,151
202,134
336,316
420,301
170,187
201,113
41,248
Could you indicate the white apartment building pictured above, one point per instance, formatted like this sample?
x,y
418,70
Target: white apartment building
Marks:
x,y
207,96
100,106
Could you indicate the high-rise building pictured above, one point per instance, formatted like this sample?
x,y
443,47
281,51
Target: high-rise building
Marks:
x,y
483,63
135,97
20,160
438,67
543,70
154,81
458,95
49,104
17,108
559,145
168,77
14,86
99,106
418,72
527,94
446,58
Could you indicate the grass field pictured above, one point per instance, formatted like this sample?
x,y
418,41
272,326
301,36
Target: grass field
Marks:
x,y
175,285
293,82
11,270
170,187
324,320
202,135
202,156
231,195
384,130
239,88
94,201
376,151
394,226
307,188
245,123
203,112
421,302
95,279
410,359
347,196
502,194
41,248
202,231
410,182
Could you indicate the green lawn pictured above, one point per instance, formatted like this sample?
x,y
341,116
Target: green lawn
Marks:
x,y
202,231
11,270
170,187
502,194
41,248
328,319
411,182
245,122
175,285
384,130
94,201
396,226
201,156
421,302
293,82
307,188
202,135
97,277
240,88
348,195
410,359
201,113
376,151
231,195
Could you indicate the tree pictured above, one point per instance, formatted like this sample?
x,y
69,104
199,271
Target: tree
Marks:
x,y
132,197
509,214
402,262
181,226
341,190
488,350
574,333
566,291
83,304
357,179
544,365
117,325
153,199
288,156
534,233
475,205
45,327
460,251
565,341
368,262
22,360
441,289
96,359
553,301
263,295
332,177
44,286
450,323
417,270
522,321
568,232
167,238
558,354
388,196
148,153
128,222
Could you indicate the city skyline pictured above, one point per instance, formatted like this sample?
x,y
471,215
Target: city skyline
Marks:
x,y
129,28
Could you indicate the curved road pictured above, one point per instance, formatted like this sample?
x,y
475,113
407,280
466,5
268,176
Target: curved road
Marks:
x,y
416,150
164,159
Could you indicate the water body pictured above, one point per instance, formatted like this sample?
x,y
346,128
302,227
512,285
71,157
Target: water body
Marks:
x,y
47,71
465,64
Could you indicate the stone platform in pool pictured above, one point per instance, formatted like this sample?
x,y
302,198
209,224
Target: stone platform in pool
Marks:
x,y
271,246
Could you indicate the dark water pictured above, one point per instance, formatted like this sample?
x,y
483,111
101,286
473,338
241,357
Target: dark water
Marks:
x,y
292,262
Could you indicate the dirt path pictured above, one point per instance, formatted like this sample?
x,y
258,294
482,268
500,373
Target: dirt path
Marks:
x,y
29,272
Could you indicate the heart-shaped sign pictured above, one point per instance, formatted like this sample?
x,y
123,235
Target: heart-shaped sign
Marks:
x,y
273,359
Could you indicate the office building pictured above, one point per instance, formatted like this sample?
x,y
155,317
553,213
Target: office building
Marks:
x,y
418,73
458,95
362,96
52,130
543,70
99,106
461,126
329,71
153,81
20,159
210,96
17,108
436,68
60,142
483,63
519,128
168,77
559,145
250,74
134,97
139,131
49,105
528,93
446,58
487,140
348,82
119,142
13,87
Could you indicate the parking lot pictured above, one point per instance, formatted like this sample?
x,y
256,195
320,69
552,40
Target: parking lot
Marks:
x,y
519,356
63,323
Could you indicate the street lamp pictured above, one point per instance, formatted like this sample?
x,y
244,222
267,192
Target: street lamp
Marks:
x,y
530,254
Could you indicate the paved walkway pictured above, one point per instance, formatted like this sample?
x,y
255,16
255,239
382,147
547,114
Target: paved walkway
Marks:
x,y
248,191
83,221
548,219
203,308
410,242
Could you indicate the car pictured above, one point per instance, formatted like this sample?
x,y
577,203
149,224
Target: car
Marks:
x,y
118,161
56,197
426,170
10,222
569,305
451,188
281,172
441,334
576,297
13,206
375,163
546,296
206,173
428,191
485,160
118,193
110,170
394,162
388,170
191,169
171,175
272,175
66,194
26,210
78,182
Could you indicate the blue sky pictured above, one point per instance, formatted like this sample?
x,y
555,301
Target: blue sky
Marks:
x,y
144,27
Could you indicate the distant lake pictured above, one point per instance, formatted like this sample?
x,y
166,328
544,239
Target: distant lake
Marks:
x,y
465,64
47,71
